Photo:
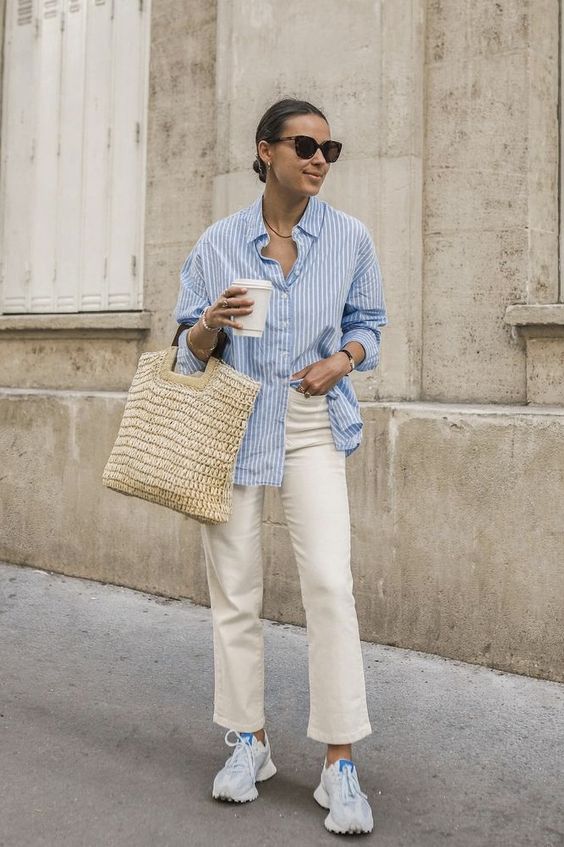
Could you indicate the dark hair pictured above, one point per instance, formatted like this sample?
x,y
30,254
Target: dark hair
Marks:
x,y
272,122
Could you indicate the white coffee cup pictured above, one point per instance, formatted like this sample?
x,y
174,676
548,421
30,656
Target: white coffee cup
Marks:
x,y
258,290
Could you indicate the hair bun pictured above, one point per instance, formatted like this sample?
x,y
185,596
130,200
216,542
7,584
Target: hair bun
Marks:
x,y
259,168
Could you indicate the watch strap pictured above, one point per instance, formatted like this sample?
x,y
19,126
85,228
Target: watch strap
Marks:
x,y
350,355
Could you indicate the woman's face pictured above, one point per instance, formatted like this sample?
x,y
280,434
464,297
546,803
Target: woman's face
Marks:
x,y
287,171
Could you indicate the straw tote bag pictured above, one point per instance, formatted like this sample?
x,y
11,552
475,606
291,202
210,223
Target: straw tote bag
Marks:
x,y
180,434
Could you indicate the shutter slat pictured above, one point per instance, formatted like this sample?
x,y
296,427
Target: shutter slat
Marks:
x,y
126,170
17,147
69,235
96,153
44,228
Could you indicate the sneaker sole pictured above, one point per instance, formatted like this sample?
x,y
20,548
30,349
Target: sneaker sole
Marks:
x,y
246,798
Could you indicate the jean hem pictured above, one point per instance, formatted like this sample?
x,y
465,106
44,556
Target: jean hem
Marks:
x,y
341,738
236,725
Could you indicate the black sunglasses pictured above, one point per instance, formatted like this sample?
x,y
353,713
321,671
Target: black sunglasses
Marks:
x,y
306,147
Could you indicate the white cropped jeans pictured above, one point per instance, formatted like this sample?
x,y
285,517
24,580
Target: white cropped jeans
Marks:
x,y
315,502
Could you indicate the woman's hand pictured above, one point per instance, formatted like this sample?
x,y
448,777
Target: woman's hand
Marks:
x,y
320,377
231,303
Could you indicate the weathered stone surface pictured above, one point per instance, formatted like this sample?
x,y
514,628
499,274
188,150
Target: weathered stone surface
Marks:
x,y
475,118
470,353
490,178
545,369
94,361
57,514
474,200
451,506
543,273
181,154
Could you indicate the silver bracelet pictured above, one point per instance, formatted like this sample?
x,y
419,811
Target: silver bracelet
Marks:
x,y
206,325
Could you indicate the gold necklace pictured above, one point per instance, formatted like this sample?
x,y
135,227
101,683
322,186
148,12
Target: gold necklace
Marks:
x,y
274,231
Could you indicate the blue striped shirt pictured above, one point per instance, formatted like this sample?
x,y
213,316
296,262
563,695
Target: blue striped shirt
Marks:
x,y
332,295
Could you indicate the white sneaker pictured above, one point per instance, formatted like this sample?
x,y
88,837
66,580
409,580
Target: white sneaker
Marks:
x,y
339,791
250,762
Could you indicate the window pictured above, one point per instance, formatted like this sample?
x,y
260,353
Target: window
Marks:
x,y
73,155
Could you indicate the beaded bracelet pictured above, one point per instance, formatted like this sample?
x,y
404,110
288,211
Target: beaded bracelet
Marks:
x,y
205,323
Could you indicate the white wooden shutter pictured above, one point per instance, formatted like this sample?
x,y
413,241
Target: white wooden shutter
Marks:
x,y
73,142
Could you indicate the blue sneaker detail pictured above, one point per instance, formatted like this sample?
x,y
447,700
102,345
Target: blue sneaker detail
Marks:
x,y
344,762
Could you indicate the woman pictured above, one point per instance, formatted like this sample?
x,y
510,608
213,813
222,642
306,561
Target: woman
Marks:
x,y
324,319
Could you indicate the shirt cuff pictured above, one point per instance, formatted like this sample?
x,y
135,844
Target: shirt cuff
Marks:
x,y
371,343
186,361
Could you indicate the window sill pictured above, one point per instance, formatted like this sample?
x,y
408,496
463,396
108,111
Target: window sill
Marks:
x,y
534,320
542,328
105,322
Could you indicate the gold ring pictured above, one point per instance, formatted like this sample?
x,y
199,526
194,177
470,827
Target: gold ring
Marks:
x,y
300,388
224,304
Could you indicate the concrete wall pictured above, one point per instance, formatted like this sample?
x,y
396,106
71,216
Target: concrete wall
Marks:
x,y
448,112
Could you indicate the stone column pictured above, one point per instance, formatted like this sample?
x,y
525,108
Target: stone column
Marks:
x,y
361,63
490,188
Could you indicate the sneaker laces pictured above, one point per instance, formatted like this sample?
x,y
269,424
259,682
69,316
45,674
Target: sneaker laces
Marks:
x,y
350,786
242,757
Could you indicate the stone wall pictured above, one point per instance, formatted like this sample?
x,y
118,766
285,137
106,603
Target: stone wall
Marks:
x,y
181,150
490,190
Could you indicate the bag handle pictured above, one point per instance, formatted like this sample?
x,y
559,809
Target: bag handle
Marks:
x,y
222,340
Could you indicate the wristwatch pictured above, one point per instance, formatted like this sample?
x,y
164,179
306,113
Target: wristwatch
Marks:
x,y
350,355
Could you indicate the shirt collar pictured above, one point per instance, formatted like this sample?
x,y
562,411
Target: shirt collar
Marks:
x,y
310,221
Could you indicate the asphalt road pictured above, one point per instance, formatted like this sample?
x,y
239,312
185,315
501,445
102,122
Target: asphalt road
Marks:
x,y
107,737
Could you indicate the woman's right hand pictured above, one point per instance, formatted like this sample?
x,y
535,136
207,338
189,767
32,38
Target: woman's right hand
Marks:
x,y
227,307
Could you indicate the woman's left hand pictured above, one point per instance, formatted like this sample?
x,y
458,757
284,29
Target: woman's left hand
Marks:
x,y
320,377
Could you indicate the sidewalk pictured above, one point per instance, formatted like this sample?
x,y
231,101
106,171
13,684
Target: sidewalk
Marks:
x,y
107,738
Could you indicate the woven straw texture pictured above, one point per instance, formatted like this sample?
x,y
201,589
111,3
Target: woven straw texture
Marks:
x,y
179,436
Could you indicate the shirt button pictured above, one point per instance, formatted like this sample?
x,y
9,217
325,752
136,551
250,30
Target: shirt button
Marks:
x,y
284,295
